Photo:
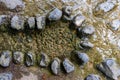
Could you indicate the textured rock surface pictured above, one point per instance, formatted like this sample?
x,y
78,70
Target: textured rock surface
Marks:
x,y
6,76
92,77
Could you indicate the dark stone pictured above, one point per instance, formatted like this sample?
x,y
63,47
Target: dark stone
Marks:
x,y
68,66
5,58
92,77
55,66
109,68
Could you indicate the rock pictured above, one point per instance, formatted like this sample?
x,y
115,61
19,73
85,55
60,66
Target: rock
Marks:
x,y
6,76
41,22
78,20
68,66
43,60
109,68
13,4
55,66
86,45
67,10
92,77
2,19
29,59
17,22
85,31
31,22
106,6
55,15
82,57
5,58
18,57
115,24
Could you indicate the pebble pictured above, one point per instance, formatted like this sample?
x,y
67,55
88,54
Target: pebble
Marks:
x,y
115,24
43,60
29,59
18,57
2,19
6,76
17,22
55,15
68,66
5,58
109,68
31,22
13,4
55,66
93,77
41,22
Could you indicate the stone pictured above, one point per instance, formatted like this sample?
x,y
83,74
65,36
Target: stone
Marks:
x,y
18,57
109,68
5,58
43,60
82,57
6,76
68,66
115,24
13,4
86,45
78,20
85,31
2,19
17,22
31,22
55,66
93,77
29,59
106,6
41,22
55,15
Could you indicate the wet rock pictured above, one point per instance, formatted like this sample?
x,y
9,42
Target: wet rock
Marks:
x,y
43,60
5,58
115,24
92,77
13,4
55,66
109,68
18,57
78,20
6,76
86,44
2,19
85,31
41,22
55,15
17,22
68,66
29,59
31,22
82,57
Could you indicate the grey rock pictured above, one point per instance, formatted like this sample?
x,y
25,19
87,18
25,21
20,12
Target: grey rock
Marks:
x,y
13,4
115,24
82,57
41,22
43,60
5,58
6,76
18,57
68,66
78,20
85,31
55,66
86,44
109,68
17,22
55,15
67,10
93,77
31,22
106,6
29,59
2,19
